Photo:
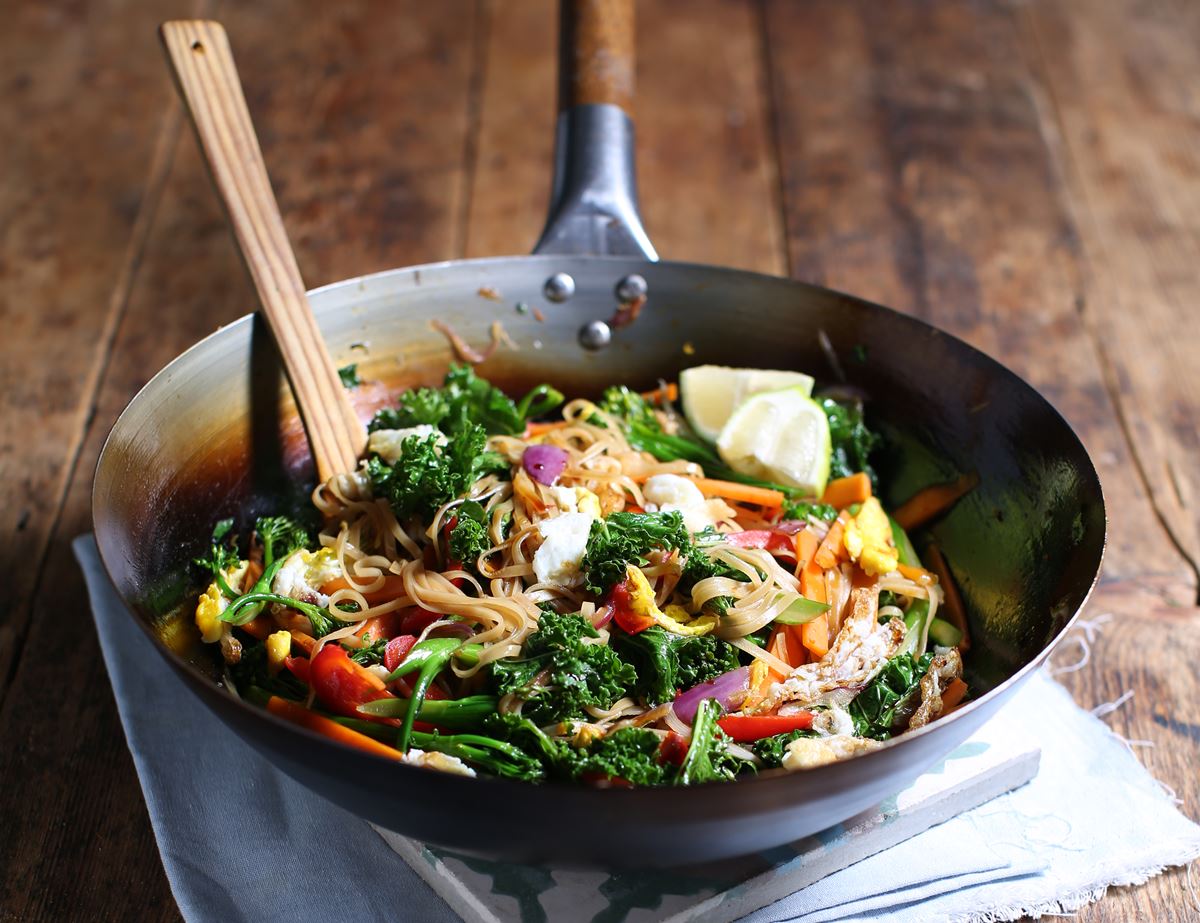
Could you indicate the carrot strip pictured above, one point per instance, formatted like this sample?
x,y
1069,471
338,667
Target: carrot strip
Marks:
x,y
916,574
953,694
258,627
843,492
931,502
742,493
540,429
830,552
670,393
952,605
298,714
816,636
393,588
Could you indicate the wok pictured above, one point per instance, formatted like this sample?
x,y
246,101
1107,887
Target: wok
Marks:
x,y
216,434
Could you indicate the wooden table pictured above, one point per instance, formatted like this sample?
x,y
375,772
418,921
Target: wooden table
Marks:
x,y
1026,175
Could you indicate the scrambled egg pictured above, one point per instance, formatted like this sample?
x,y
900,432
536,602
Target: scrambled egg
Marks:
x,y
808,752
304,573
388,444
675,619
213,602
670,493
868,539
279,646
576,500
564,542
432,759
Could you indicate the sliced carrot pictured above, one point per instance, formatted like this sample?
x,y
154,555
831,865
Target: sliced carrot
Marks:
x,y
843,492
953,694
533,430
298,714
916,574
952,605
258,627
816,636
670,393
831,550
741,493
393,588
933,501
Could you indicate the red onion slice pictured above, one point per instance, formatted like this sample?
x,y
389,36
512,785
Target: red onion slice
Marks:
x,y
729,689
544,463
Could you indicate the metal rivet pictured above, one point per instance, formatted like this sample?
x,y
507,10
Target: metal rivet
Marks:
x,y
559,287
631,288
595,335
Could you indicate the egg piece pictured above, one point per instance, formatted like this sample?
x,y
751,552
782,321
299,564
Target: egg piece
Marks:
x,y
433,759
670,493
809,752
388,444
676,619
575,500
304,573
279,646
564,542
212,603
868,539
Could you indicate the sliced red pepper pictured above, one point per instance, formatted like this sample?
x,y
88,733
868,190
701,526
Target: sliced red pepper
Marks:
x,y
298,667
600,780
416,620
673,749
621,601
776,541
341,685
747,728
396,650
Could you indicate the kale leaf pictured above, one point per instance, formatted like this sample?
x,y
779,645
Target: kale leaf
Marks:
x,y
803,509
708,758
629,754
250,672
559,675
626,538
349,375
772,749
426,477
852,442
667,663
874,709
469,538
466,400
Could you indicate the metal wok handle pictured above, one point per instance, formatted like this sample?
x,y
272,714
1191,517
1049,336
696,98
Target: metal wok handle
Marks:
x,y
594,201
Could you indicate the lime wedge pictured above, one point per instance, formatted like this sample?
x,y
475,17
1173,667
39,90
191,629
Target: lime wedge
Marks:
x,y
711,393
780,436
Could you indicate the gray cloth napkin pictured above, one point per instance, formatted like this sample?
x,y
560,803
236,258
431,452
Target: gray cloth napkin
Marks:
x,y
242,841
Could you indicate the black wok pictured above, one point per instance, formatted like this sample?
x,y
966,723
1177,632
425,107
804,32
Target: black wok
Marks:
x,y
215,433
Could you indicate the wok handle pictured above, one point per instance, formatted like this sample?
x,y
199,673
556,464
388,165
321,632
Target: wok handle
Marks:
x,y
207,79
594,200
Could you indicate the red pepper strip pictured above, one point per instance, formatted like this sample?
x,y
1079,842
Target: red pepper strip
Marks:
x,y
298,667
747,728
631,622
673,749
396,650
416,620
776,541
341,685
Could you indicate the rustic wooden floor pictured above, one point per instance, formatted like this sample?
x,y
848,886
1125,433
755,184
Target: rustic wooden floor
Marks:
x,y
1025,174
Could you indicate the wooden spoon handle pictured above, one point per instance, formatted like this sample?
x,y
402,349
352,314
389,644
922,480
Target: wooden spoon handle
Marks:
x,y
596,50
207,79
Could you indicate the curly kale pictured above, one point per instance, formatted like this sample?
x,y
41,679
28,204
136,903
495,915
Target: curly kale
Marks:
x,y
349,376
628,755
469,538
771,750
709,758
466,400
852,442
426,477
626,538
667,663
559,675
874,709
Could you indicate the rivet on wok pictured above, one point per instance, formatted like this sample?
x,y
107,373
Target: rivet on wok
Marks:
x,y
559,287
631,288
595,335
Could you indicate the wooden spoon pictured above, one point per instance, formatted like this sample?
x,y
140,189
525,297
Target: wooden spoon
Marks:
x,y
207,79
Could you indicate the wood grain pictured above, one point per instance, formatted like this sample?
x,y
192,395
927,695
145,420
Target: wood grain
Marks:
x,y
202,63
372,186
1024,174
597,53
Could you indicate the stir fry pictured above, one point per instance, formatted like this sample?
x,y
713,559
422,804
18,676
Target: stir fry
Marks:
x,y
612,592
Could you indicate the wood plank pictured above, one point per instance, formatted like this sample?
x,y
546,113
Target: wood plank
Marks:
x,y
703,126
1119,95
357,111
79,178
916,173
